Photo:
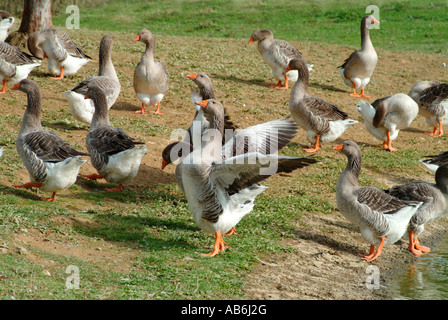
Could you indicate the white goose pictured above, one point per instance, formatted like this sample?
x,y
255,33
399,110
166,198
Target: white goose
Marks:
x,y
64,56
382,218
82,109
6,23
385,117
359,66
15,65
114,154
150,77
221,189
52,164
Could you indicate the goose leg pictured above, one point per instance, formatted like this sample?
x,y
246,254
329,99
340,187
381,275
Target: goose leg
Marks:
x,y
158,109
363,95
52,198
4,86
412,247
354,94
231,231
29,185
279,84
142,111
119,188
378,252
316,146
420,247
219,245
61,76
389,142
286,86
433,133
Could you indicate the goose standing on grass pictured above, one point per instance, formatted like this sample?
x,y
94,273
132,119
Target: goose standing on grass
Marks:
x,y
385,117
221,190
150,78
114,154
323,121
277,54
52,164
82,109
359,66
435,205
382,218
15,65
432,99
6,23
64,56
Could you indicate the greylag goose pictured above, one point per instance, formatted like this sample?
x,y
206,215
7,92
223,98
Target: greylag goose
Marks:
x,y
52,164
359,66
433,162
432,99
385,117
221,190
150,78
6,23
15,65
64,56
435,205
382,218
82,109
277,54
113,153
323,121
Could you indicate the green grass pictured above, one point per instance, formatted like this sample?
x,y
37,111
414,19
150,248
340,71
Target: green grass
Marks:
x,y
411,25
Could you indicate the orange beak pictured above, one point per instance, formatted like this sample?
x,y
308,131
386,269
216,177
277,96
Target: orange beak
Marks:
x,y
287,69
137,37
338,147
192,76
85,97
16,86
164,164
375,21
251,40
202,103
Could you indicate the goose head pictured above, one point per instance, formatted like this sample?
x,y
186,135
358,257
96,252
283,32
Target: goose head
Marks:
x,y
261,35
145,36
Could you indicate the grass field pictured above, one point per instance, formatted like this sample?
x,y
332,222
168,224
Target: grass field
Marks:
x,y
143,243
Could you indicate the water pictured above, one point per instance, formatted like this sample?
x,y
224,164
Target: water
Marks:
x,y
427,279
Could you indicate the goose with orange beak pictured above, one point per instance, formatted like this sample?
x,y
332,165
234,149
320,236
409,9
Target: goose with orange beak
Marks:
x,y
382,218
150,77
221,189
358,68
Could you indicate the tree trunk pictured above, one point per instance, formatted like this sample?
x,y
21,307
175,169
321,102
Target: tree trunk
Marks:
x,y
36,16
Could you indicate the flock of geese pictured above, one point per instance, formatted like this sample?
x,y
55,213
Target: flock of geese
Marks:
x,y
219,172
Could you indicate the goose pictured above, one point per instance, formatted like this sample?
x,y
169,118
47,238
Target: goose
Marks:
x,y
51,163
64,56
433,162
382,218
432,99
435,205
6,23
150,77
221,190
113,153
277,54
359,66
82,109
385,117
323,121
15,65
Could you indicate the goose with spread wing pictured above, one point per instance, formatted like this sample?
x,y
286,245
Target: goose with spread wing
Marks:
x,y
382,218
221,189
51,163
64,56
